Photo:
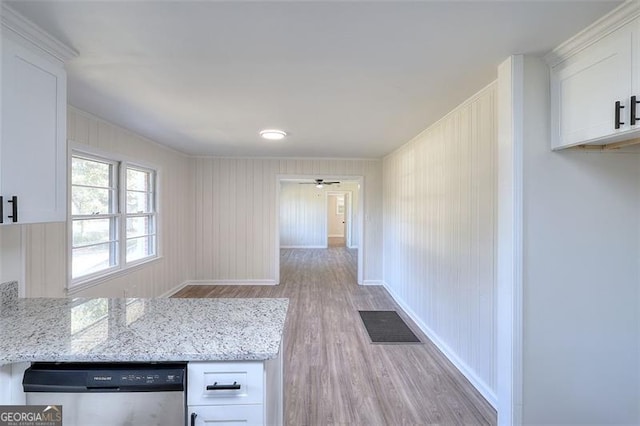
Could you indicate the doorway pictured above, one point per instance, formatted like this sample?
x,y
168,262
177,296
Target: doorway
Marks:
x,y
302,220
339,220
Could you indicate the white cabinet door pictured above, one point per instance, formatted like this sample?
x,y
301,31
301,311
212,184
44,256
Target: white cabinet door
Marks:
x,y
33,144
635,66
226,415
586,87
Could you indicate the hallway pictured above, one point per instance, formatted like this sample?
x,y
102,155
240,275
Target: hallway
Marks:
x,y
333,375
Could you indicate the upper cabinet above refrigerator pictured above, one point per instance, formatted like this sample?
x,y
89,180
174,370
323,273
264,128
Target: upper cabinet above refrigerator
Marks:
x,y
595,83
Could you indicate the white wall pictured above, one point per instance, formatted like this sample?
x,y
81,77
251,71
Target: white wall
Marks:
x,y
439,234
10,253
581,275
236,214
303,214
45,245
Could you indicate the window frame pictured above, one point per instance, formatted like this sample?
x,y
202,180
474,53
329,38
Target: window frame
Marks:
x,y
152,214
121,164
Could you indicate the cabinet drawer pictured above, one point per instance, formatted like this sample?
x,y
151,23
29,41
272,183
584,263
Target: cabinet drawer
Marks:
x,y
224,383
225,415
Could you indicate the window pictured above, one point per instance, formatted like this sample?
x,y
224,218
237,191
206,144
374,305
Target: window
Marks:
x,y
113,216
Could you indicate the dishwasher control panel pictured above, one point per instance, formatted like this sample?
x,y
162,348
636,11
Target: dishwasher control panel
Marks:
x,y
104,377
142,377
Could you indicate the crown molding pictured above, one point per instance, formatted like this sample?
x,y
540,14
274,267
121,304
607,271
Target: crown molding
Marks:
x,y
615,19
17,24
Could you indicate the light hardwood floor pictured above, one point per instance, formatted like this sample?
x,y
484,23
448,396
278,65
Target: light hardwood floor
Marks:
x,y
333,374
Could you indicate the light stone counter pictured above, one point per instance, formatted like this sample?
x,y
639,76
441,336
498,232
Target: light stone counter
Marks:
x,y
139,329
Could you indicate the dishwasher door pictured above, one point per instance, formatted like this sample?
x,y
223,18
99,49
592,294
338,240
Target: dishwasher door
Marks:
x,y
114,394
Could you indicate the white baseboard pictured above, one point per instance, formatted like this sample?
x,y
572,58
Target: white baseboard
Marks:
x,y
303,247
468,372
372,282
231,282
174,290
335,236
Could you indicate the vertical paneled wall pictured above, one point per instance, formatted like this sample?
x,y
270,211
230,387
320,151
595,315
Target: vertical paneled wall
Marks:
x,y
236,214
439,234
302,216
46,244
303,213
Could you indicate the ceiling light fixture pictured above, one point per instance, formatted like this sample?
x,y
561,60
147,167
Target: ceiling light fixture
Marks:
x,y
273,134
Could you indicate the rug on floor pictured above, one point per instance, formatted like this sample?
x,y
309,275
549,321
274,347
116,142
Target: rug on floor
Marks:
x,y
387,327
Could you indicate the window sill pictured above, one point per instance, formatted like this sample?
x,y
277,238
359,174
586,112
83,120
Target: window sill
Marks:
x,y
94,281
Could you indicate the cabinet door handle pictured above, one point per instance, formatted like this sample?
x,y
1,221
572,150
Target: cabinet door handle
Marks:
x,y
634,119
216,386
14,209
193,419
618,108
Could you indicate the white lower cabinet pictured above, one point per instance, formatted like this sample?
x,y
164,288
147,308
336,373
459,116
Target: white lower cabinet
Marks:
x,y
226,415
228,393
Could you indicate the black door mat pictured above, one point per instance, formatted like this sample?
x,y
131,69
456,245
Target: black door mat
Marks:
x,y
387,327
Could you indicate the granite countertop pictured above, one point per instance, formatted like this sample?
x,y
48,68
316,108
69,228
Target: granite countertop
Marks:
x,y
80,329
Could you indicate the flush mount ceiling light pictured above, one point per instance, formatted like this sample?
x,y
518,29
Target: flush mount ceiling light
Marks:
x,y
273,134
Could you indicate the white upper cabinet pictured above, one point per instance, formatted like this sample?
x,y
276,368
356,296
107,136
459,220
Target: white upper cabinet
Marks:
x,y
592,87
33,166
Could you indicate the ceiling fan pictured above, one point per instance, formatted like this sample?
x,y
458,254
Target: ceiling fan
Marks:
x,y
319,183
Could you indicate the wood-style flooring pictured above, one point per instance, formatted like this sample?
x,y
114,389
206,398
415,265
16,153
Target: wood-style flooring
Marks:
x,y
333,374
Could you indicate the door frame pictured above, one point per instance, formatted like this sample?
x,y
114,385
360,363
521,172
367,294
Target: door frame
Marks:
x,y
358,179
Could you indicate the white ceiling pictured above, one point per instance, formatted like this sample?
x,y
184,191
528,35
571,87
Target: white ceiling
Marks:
x,y
344,79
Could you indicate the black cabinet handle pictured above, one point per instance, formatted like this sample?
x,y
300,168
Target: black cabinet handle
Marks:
x,y
14,209
618,108
634,119
216,386
1,209
193,419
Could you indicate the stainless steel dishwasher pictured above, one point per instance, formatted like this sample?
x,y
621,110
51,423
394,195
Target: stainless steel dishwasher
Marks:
x,y
110,394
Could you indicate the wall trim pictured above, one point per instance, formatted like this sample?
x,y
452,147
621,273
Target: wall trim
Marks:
x,y
231,282
34,35
463,104
610,22
304,247
466,371
509,255
372,282
335,236
173,290
126,130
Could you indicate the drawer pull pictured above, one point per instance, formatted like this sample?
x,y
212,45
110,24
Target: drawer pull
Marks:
x,y
216,386
14,209
634,119
618,108
193,419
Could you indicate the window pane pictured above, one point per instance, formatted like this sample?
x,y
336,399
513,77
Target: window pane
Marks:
x,y
88,260
138,202
138,248
139,226
90,200
91,231
138,180
89,172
